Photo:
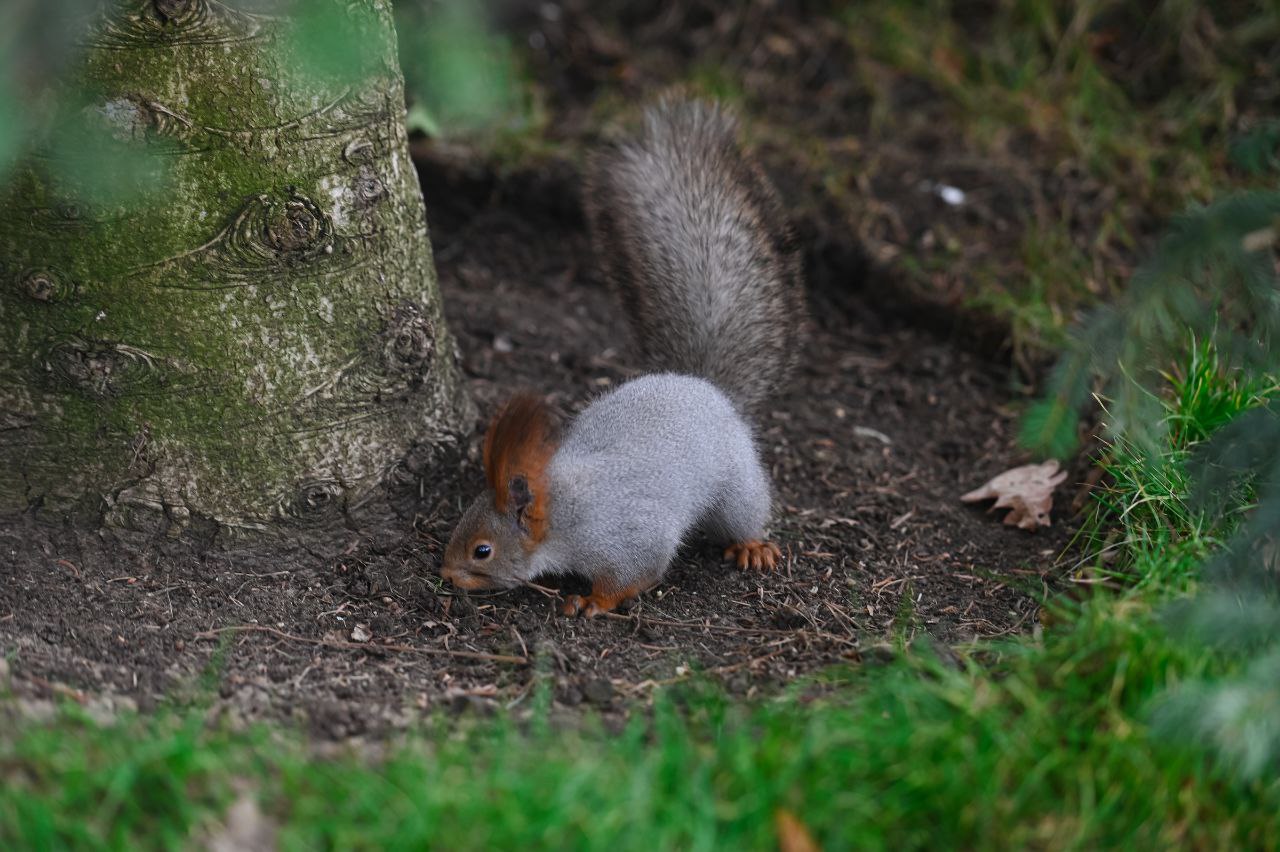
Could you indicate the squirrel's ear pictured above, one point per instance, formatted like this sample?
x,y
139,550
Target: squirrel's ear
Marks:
x,y
517,450
519,499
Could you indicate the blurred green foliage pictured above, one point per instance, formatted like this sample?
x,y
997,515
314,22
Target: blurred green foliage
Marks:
x,y
37,43
1258,151
462,77
1194,458
99,153
329,40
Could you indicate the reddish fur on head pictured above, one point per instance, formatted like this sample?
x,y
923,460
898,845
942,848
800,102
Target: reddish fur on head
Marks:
x,y
520,443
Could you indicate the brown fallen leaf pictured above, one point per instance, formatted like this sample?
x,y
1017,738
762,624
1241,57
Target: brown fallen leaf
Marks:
x,y
1026,491
793,835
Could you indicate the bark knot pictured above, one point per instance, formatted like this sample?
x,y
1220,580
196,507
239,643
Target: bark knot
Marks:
x,y
269,231
144,23
45,285
410,341
368,188
176,11
100,369
294,227
315,500
359,152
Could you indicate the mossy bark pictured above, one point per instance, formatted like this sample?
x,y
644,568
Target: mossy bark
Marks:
x,y
259,339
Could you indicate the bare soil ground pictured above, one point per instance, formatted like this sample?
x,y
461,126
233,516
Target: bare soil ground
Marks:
x,y
883,429
352,632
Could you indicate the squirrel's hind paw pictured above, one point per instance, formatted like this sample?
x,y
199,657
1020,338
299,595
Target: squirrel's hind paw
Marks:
x,y
760,555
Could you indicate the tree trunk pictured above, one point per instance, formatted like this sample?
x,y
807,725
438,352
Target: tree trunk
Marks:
x,y
258,341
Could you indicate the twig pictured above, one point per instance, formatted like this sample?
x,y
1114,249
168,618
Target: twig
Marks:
x,y
364,646
729,669
60,689
543,590
842,617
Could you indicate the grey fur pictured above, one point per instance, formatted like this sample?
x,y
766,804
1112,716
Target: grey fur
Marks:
x,y
694,237
640,469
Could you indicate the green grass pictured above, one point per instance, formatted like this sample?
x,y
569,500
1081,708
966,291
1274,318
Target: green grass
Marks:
x,y
1045,746
1038,742
1142,511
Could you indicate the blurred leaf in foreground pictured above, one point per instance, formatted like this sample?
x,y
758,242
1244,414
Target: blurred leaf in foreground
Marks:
x,y
103,154
37,41
329,41
1237,718
1257,151
462,76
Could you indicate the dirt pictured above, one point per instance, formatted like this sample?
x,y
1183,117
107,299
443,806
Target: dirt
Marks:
x,y
351,632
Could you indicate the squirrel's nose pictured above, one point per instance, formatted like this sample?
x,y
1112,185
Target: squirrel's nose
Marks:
x,y
460,578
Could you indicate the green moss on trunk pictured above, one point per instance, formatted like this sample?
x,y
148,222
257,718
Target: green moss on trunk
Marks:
x,y
252,330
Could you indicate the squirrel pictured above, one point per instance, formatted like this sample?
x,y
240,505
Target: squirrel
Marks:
x,y
690,231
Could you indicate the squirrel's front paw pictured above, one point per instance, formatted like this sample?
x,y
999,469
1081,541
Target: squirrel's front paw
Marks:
x,y
581,605
760,555
598,602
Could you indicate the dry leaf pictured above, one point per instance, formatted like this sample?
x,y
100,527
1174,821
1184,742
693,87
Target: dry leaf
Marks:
x,y
1026,491
793,836
360,633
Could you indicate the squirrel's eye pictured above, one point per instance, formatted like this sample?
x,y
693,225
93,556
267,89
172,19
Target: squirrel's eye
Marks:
x,y
482,551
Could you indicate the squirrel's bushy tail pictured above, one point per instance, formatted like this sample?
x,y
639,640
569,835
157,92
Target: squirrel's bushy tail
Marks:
x,y
693,235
